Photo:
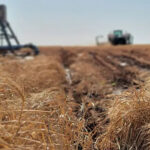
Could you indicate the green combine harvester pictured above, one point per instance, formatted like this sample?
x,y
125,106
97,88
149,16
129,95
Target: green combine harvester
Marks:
x,y
118,37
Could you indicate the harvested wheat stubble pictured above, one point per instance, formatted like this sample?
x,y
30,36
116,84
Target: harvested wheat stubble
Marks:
x,y
129,117
41,109
50,124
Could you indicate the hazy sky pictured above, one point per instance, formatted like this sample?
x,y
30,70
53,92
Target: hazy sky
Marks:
x,y
77,22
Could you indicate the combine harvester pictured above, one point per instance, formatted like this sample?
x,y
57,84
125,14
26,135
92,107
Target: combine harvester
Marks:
x,y
8,40
117,37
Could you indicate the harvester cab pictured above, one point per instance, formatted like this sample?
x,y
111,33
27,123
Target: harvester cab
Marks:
x,y
9,42
118,37
118,33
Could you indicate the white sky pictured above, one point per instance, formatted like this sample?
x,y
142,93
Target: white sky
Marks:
x,y
77,22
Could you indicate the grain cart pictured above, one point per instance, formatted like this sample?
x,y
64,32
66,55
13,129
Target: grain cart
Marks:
x,y
118,37
8,40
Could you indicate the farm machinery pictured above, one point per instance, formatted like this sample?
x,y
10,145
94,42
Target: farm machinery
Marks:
x,y
118,37
9,42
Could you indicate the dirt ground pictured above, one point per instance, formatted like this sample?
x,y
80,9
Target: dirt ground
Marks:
x,y
54,100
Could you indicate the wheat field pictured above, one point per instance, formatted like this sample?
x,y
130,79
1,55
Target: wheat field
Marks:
x,y
76,98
